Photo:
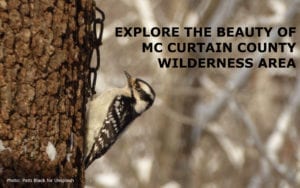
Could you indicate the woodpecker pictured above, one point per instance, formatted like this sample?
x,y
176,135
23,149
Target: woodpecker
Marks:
x,y
111,112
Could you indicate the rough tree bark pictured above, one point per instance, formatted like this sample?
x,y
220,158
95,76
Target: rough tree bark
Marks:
x,y
42,90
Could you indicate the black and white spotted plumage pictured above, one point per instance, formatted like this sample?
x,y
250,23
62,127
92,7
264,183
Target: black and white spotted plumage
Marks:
x,y
121,106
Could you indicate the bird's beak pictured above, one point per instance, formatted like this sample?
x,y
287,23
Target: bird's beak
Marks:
x,y
129,79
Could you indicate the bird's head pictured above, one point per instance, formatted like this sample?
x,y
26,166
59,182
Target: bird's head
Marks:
x,y
141,92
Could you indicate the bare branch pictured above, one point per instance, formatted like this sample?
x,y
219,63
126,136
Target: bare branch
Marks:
x,y
282,170
276,139
235,153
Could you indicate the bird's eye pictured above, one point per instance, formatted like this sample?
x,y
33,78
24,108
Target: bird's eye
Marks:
x,y
137,87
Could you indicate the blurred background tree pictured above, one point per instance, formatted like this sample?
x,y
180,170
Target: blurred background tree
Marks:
x,y
208,128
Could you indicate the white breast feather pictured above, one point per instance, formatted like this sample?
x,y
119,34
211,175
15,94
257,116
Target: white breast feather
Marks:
x,y
140,106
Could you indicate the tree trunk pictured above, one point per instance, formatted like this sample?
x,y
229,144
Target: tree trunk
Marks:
x,y
43,75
